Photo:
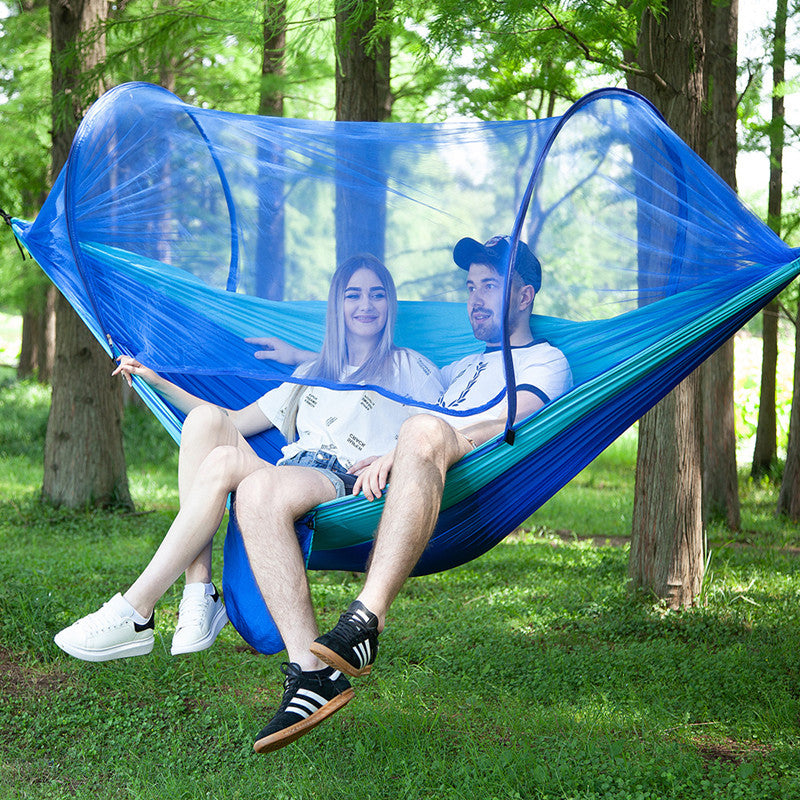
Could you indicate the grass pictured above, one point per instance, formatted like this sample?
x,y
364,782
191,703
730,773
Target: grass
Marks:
x,y
528,673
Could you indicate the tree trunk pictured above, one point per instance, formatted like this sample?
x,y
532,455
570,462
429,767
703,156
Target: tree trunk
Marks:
x,y
84,461
789,496
720,478
765,449
667,546
362,94
37,352
270,247
766,431
667,536
362,64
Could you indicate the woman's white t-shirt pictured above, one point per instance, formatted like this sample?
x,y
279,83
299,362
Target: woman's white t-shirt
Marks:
x,y
353,424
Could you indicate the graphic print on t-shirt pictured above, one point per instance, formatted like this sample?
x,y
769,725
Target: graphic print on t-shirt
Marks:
x,y
479,368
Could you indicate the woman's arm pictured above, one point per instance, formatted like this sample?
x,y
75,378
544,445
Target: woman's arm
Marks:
x,y
248,420
180,398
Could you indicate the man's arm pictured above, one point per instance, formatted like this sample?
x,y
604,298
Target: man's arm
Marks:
x,y
480,432
373,473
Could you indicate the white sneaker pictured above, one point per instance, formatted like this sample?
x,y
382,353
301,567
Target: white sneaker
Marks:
x,y
107,633
201,617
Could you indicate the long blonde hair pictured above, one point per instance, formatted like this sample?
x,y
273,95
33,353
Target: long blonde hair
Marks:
x,y
333,359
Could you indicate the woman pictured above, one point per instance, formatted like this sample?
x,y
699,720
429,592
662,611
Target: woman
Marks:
x,y
329,433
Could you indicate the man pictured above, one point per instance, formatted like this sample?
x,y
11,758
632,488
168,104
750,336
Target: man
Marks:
x,y
428,445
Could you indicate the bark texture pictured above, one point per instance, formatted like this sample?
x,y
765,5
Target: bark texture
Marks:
x,y
667,537
720,477
84,461
765,450
363,93
270,248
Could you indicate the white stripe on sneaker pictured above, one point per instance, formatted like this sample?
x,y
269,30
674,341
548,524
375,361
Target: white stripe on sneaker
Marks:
x,y
305,703
303,713
362,651
312,696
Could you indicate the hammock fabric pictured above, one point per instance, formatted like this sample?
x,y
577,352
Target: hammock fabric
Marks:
x,y
177,231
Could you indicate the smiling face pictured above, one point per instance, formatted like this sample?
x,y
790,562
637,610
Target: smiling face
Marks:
x,y
485,303
485,306
365,305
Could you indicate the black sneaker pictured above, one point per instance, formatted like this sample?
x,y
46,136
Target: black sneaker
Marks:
x,y
353,644
308,699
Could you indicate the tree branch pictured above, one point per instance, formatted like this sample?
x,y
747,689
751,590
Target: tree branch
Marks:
x,y
620,65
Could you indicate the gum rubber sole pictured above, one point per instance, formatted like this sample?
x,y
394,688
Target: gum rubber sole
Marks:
x,y
334,660
281,738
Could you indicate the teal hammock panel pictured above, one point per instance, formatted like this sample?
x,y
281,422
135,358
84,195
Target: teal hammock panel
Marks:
x,y
176,232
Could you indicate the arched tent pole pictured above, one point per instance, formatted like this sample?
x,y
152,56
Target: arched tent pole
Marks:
x,y
233,271
84,130
508,363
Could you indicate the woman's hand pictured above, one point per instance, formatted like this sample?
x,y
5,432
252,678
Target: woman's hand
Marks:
x,y
373,474
128,367
275,349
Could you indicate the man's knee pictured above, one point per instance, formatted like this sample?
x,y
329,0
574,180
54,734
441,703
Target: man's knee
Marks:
x,y
426,436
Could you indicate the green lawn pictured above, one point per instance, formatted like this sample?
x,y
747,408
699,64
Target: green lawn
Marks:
x,y
528,673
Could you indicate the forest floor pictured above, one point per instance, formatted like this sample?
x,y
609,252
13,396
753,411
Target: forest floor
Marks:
x,y
530,672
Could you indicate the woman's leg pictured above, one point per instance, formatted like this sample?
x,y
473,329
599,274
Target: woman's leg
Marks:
x,y
206,478
205,428
115,630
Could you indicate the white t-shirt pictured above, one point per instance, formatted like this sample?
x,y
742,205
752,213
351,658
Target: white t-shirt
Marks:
x,y
353,424
474,380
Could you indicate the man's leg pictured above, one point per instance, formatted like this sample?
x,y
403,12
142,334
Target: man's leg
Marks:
x,y
267,504
426,448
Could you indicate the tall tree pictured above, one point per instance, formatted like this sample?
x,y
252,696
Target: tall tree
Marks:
x,y
37,349
765,449
789,495
720,480
270,247
363,61
84,462
667,536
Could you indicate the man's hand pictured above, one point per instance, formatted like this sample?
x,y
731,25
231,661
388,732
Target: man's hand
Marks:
x,y
373,473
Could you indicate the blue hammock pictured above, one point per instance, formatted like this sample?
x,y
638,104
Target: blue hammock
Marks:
x,y
177,231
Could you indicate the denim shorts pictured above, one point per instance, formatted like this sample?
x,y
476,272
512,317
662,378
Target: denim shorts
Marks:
x,y
328,464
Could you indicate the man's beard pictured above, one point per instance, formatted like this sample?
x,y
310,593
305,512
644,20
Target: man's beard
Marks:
x,y
487,330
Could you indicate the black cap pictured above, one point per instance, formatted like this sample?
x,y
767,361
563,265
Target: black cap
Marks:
x,y
494,252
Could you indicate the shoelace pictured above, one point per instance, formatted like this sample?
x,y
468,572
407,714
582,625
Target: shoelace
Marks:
x,y
291,683
191,613
343,630
100,620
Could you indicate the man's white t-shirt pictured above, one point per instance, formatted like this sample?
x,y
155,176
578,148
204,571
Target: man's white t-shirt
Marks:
x,y
353,424
539,368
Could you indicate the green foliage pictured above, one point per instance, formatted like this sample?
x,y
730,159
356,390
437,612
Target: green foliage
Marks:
x,y
24,140
523,59
528,673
